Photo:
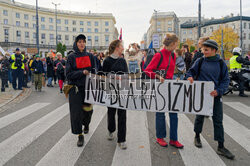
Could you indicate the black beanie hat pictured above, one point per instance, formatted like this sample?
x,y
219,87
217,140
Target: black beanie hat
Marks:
x,y
211,43
80,37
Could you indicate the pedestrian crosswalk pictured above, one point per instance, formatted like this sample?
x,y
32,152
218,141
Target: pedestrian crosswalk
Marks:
x,y
141,150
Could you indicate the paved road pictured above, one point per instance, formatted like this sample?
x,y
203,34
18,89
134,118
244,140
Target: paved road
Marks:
x,y
37,132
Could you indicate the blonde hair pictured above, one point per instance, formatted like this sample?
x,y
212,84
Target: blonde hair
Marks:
x,y
58,54
7,54
170,38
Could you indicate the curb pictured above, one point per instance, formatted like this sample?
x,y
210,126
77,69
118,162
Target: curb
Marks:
x,y
15,96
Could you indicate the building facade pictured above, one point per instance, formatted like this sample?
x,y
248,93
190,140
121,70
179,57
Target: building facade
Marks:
x,y
18,27
189,31
162,23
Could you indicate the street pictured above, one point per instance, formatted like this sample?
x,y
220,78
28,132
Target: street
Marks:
x,y
37,132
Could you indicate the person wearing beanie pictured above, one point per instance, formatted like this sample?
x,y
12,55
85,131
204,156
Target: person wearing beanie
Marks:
x,y
211,68
79,64
39,72
236,62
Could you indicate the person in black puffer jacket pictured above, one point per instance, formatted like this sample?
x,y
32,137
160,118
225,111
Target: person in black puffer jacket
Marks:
x,y
79,64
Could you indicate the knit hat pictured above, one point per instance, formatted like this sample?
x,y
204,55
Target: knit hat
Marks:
x,y
211,43
37,56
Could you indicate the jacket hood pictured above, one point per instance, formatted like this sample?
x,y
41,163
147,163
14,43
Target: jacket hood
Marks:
x,y
217,58
75,48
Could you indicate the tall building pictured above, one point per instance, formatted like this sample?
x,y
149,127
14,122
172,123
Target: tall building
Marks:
x,y
190,30
162,23
18,27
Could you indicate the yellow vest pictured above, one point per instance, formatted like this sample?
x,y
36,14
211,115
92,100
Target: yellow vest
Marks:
x,y
234,64
13,57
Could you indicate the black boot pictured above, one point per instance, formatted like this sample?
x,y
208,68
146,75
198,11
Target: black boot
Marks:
x,y
225,152
80,141
243,95
86,129
197,142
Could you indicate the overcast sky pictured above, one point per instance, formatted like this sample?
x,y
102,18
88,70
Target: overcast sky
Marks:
x,y
134,15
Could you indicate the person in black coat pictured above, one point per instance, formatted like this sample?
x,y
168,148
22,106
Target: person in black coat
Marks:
x,y
59,66
79,64
5,66
50,69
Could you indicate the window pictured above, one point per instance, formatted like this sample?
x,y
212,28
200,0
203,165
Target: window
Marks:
x,y
74,29
66,37
17,15
6,32
89,23
249,36
51,27
18,33
169,29
245,25
74,22
27,34
58,21
5,21
81,29
43,26
26,25
169,22
26,16
51,36
96,30
184,32
212,29
6,39
106,23
244,46
106,30
96,38
244,36
158,23
66,29
34,25
34,35
190,32
96,23
106,38
59,37
5,12
18,23
74,38
89,38
43,35
66,22
81,22
42,19
34,18
59,28
51,20
204,30
158,29
89,30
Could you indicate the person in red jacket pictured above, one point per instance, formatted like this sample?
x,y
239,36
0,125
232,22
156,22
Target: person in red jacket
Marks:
x,y
170,43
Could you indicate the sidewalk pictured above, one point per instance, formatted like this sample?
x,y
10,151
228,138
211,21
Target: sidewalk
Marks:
x,y
9,95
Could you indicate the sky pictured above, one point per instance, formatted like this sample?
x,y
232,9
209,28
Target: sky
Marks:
x,y
133,15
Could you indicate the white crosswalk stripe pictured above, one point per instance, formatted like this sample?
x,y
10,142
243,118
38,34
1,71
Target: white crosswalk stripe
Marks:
x,y
138,152
200,156
10,147
239,107
65,152
8,119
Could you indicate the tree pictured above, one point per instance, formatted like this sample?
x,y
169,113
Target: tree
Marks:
x,y
61,48
230,40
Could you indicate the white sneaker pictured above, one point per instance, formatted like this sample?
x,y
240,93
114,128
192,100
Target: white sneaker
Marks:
x,y
122,145
110,136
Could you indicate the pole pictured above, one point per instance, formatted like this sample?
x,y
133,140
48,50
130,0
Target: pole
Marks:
x,y
241,39
222,49
37,28
199,19
56,4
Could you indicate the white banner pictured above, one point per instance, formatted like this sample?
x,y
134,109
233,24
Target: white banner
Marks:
x,y
150,95
2,51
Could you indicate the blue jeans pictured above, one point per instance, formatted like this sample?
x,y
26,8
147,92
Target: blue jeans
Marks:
x,y
133,67
181,76
50,80
160,124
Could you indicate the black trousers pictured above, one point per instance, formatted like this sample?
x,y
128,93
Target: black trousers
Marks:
x,y
240,80
78,116
122,118
217,121
17,73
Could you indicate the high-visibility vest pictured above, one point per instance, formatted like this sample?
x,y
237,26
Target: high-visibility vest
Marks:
x,y
13,57
234,64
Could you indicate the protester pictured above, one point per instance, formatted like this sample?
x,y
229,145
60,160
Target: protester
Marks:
x,y
79,64
133,57
54,73
59,65
50,69
39,72
236,63
144,59
167,65
31,71
187,56
180,67
26,70
5,66
17,66
209,68
116,65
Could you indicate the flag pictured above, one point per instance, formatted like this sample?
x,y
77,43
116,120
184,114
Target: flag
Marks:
x,y
150,45
120,37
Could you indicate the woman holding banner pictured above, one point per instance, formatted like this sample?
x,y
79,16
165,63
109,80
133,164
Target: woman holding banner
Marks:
x,y
79,64
167,64
114,64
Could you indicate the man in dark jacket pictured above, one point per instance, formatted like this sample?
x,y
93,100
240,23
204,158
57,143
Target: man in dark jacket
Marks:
x,y
39,72
79,64
50,69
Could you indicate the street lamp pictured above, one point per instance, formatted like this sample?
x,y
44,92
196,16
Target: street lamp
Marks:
x,y
37,27
199,17
241,39
56,4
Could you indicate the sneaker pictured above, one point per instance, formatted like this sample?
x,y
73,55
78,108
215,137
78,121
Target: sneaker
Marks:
x,y
122,145
243,95
80,141
61,91
225,152
162,142
197,142
176,144
86,129
110,136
